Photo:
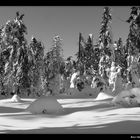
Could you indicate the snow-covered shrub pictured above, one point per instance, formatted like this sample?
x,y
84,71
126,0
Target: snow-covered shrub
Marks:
x,y
73,79
15,98
102,96
128,98
45,105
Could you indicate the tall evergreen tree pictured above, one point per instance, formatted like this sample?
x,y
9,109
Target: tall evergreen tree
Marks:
x,y
96,58
14,49
57,54
54,62
118,53
81,54
133,40
105,43
89,52
2,64
105,36
36,59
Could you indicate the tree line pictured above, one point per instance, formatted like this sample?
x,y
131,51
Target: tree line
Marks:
x,y
26,68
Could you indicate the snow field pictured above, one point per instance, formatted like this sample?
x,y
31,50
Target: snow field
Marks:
x,y
87,115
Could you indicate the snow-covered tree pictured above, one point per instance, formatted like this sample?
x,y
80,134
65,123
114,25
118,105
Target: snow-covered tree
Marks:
x,y
69,67
133,43
118,51
133,40
57,55
95,58
105,36
54,62
2,64
80,62
89,52
105,43
36,59
14,49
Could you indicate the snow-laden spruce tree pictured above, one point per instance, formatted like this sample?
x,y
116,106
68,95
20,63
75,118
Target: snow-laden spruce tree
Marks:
x,y
105,39
80,55
131,96
89,52
118,52
81,63
133,46
2,64
54,62
85,55
68,69
14,48
36,58
105,45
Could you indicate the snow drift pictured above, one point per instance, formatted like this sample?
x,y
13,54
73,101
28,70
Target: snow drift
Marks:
x,y
15,98
45,105
128,98
102,96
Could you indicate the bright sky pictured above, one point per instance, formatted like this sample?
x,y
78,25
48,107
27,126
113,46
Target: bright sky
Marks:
x,y
44,22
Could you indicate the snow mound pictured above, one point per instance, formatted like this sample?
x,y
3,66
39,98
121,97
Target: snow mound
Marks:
x,y
72,91
90,91
15,98
45,105
87,91
128,98
102,96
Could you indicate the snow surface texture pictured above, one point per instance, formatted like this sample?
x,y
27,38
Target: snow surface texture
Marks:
x,y
15,98
45,105
128,98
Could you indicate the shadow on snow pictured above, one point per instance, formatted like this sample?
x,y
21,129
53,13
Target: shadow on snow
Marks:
x,y
123,127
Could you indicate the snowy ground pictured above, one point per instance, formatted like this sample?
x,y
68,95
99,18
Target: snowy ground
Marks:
x,y
81,116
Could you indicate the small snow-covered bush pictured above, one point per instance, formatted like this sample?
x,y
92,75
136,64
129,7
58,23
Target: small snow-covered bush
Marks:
x,y
102,96
128,98
45,105
15,98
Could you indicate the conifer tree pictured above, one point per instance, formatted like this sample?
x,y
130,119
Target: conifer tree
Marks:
x,y
118,52
133,40
36,59
14,49
133,43
54,62
105,36
69,66
57,54
105,43
81,54
96,58
89,58
2,63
